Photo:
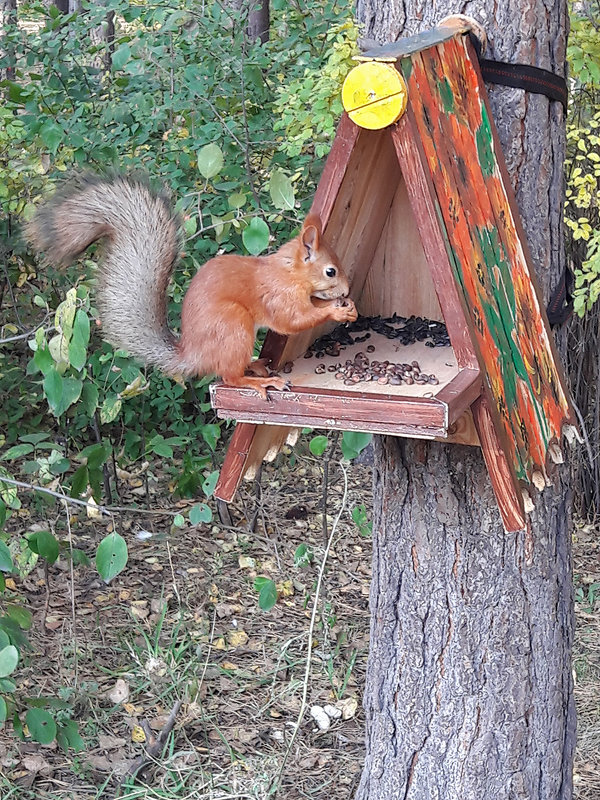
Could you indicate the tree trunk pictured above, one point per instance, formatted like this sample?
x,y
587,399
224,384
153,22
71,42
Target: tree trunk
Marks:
x,y
259,21
469,689
9,18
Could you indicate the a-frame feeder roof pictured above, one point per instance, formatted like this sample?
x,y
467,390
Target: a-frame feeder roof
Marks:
x,y
423,218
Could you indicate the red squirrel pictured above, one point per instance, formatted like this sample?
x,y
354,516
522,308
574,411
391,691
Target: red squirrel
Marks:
x,y
296,288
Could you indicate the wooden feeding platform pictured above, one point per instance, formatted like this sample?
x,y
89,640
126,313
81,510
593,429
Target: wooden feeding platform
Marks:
x,y
318,399
416,201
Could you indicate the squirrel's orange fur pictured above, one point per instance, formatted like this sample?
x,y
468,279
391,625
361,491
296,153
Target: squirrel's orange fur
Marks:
x,y
298,287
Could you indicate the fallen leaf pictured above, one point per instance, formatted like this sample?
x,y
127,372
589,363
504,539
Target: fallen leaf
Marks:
x,y
137,734
107,742
247,562
348,707
92,509
229,665
35,763
285,588
237,638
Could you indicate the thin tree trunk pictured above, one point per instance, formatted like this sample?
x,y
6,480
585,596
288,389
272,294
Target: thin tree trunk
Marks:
x,y
469,688
259,21
9,18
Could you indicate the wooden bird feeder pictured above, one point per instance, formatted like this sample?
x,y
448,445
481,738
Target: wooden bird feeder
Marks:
x,y
415,199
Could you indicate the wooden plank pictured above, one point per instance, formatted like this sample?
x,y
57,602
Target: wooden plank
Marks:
x,y
410,44
335,168
399,279
271,420
506,489
522,237
423,199
461,393
233,464
463,431
464,157
329,406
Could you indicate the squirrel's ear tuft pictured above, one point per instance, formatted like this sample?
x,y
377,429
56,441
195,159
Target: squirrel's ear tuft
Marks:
x,y
310,235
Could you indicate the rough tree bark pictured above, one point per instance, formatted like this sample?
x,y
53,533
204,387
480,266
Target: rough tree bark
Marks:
x,y
469,688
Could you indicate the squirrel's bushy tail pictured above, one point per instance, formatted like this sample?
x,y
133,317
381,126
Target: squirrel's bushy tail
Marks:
x,y
142,243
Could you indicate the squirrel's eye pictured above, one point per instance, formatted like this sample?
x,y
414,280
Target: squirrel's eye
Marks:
x,y
331,272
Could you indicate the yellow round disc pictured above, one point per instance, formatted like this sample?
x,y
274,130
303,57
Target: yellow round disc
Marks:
x,y
374,94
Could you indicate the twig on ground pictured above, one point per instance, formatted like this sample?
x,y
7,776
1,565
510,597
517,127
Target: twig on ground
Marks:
x,y
155,745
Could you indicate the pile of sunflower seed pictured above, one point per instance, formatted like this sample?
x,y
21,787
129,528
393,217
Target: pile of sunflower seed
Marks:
x,y
382,372
407,330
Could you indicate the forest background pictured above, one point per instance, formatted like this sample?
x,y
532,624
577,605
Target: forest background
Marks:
x,y
236,124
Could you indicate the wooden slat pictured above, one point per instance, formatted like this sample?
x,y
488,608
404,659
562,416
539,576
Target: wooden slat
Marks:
x,y
508,494
329,406
335,168
271,419
424,203
460,393
235,458
410,44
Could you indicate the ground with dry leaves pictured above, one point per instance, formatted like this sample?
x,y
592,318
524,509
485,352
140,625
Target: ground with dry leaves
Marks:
x,y
183,623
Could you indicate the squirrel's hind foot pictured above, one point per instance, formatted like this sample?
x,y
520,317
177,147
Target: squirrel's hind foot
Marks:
x,y
259,384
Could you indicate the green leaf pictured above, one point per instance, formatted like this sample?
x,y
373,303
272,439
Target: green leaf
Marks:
x,y
95,455
41,725
8,492
179,520
71,392
303,555
45,545
3,711
79,340
22,616
256,236
267,596
68,736
9,658
6,562
209,483
211,434
200,513
318,445
51,135
121,56
210,160
4,639
79,481
282,191
42,359
53,389
89,398
16,451
354,442
236,200
79,557
111,556
110,408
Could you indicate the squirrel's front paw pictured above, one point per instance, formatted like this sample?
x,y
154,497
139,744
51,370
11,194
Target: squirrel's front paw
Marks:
x,y
344,310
